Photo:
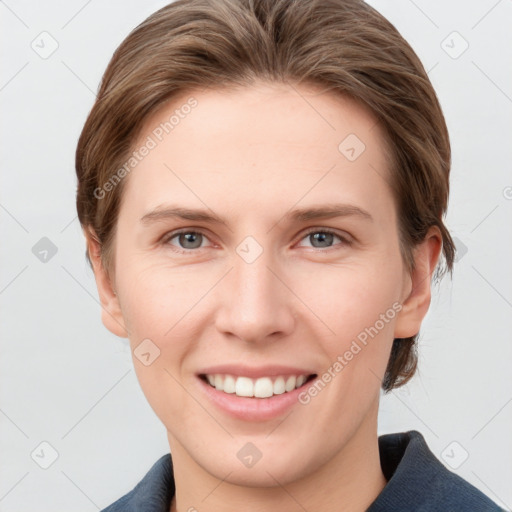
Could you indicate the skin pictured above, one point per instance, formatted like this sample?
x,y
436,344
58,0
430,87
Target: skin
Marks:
x,y
250,156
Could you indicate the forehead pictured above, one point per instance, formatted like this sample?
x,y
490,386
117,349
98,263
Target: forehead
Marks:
x,y
300,113
263,144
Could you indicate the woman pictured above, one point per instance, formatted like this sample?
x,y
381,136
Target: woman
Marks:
x,y
262,187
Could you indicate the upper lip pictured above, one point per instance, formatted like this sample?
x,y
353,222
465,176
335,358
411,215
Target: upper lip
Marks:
x,y
254,372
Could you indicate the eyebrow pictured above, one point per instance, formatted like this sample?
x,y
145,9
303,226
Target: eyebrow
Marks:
x,y
328,211
324,211
165,213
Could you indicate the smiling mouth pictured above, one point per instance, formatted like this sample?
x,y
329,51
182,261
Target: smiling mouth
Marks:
x,y
263,387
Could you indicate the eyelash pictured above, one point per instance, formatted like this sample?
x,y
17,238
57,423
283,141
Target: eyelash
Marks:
x,y
166,239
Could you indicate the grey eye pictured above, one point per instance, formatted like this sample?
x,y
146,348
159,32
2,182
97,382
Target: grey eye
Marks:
x,y
190,240
321,239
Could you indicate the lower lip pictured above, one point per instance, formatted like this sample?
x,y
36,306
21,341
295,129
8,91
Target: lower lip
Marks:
x,y
253,409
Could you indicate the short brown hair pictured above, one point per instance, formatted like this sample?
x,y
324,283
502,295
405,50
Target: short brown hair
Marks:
x,y
344,46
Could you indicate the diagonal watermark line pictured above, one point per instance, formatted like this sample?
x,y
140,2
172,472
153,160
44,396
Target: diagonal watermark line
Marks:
x,y
492,492
406,405
488,215
78,77
288,83
199,403
13,13
69,224
14,76
14,485
378,173
493,287
13,279
296,296
501,409
201,298
88,497
14,218
216,487
95,299
165,165
301,198
287,492
432,68
424,14
486,14
76,14
104,395
279,424
492,81
14,424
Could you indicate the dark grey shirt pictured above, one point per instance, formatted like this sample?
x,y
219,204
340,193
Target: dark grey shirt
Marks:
x,y
417,481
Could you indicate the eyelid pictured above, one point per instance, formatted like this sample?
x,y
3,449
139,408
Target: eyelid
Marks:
x,y
165,239
345,238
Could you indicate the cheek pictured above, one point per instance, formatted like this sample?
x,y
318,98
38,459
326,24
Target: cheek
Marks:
x,y
350,299
160,309
359,305
156,299
165,315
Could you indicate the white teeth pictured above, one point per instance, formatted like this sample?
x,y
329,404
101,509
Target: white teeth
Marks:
x,y
290,383
229,384
219,382
279,387
244,387
300,380
264,387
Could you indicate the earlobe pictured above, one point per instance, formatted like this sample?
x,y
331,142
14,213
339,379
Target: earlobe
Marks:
x,y
111,314
417,297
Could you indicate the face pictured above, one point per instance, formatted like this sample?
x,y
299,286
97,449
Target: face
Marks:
x,y
257,252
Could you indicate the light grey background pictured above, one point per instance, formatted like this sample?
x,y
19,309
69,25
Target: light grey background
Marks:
x,y
66,381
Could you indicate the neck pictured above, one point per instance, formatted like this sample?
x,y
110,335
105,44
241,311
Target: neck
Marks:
x,y
350,481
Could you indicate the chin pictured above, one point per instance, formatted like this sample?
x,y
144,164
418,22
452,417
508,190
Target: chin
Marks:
x,y
275,472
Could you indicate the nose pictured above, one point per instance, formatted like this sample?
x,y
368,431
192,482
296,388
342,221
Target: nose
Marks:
x,y
254,302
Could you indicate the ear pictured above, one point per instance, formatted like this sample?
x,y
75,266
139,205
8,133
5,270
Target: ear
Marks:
x,y
111,314
417,292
